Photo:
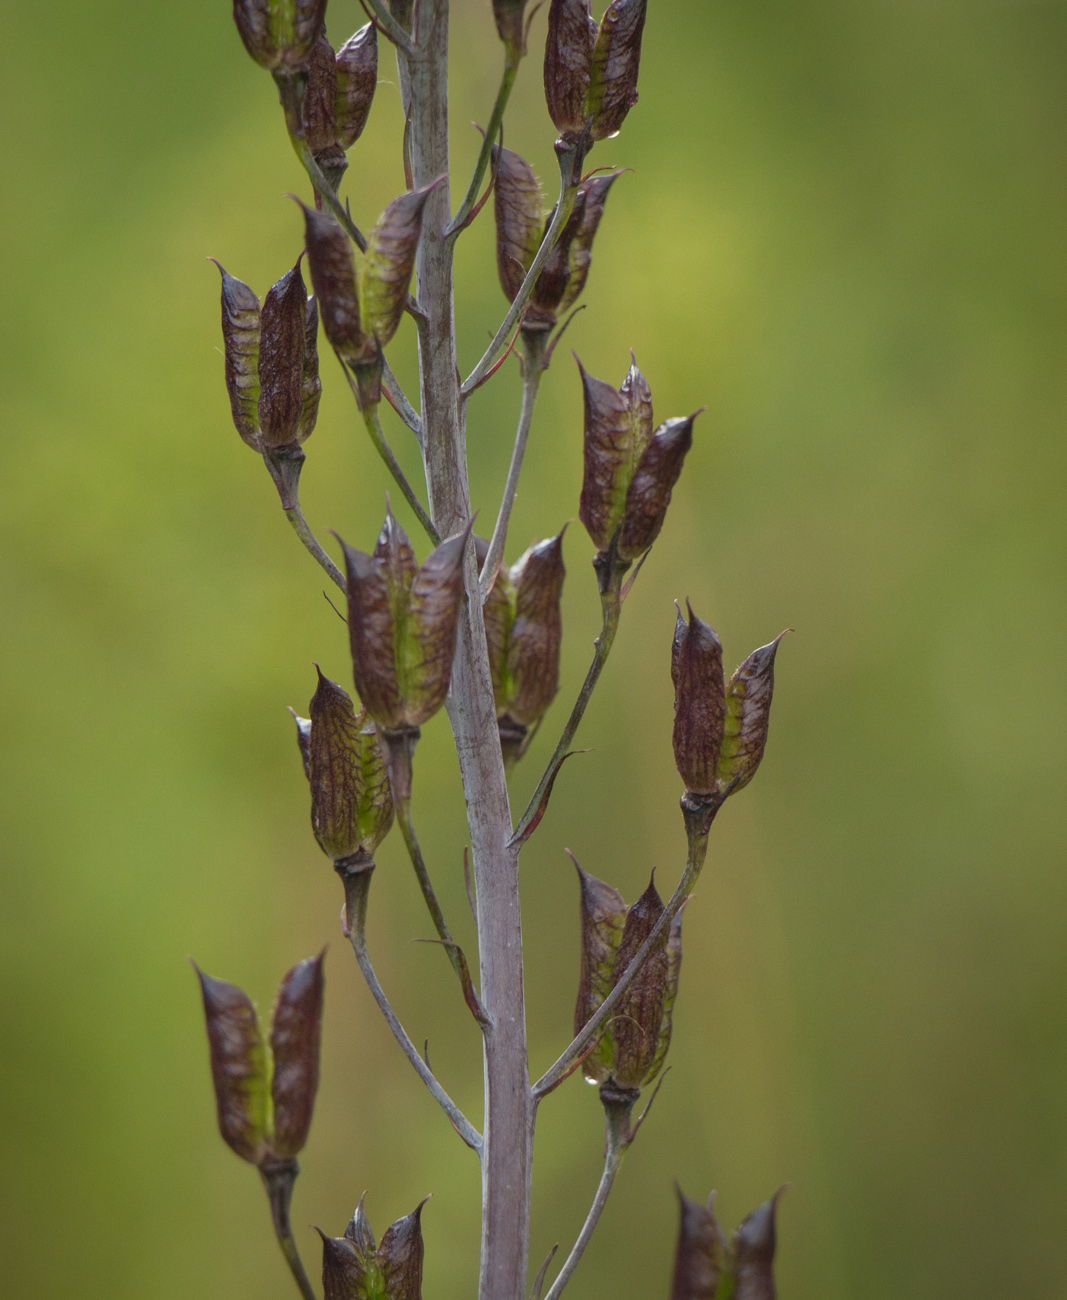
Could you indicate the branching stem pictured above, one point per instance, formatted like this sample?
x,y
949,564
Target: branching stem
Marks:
x,y
284,468
512,59
534,351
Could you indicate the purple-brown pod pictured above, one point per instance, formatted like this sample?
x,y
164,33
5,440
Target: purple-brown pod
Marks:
x,y
279,34
356,82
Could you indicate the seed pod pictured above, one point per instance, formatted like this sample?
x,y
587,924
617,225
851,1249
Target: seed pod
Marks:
x,y
555,274
594,195
753,1248
352,1269
603,914
303,740
700,1255
351,804
519,213
311,387
240,341
402,625
389,263
747,718
614,64
509,15
674,969
629,470
265,1134
639,1014
282,341
295,1037
333,277
568,60
357,80
699,702
320,126
537,630
279,34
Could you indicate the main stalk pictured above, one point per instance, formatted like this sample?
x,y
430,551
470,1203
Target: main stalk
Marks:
x,y
509,1105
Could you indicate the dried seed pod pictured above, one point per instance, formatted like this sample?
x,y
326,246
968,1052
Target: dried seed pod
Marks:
x,y
240,340
639,1015
353,1269
303,740
357,80
629,470
555,274
700,1256
568,62
265,1132
295,1037
519,214
537,631
282,342
674,970
333,277
279,34
747,718
616,57
402,625
311,386
699,702
351,804
594,195
754,1244
238,1067
389,263
320,125
603,916
509,23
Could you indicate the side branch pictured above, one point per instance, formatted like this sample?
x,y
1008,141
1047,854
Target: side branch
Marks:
x,y
512,58
285,471
357,887
568,188
698,847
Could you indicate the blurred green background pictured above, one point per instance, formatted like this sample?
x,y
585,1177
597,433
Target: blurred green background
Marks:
x,y
845,233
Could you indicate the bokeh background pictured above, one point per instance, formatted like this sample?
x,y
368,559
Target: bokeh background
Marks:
x,y
845,233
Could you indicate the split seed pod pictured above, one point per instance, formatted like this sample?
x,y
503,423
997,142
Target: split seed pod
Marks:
x,y
272,361
337,101
351,803
720,729
630,469
707,1268
524,628
402,623
633,1047
353,1268
279,34
521,223
265,1100
590,70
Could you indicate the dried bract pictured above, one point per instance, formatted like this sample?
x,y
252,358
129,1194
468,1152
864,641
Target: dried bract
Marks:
x,y
265,1102
402,623
279,34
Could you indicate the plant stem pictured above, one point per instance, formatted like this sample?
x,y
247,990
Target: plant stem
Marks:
x,y
611,606
377,436
278,1180
567,192
534,359
617,1140
512,59
356,877
508,1128
698,847
285,471
399,402
388,25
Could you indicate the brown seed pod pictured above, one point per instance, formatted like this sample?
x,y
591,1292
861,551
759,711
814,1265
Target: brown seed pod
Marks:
x,y
240,341
699,702
614,65
747,718
282,343
700,1256
357,80
279,34
568,60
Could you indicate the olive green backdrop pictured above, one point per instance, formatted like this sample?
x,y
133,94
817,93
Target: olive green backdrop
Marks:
x,y
844,234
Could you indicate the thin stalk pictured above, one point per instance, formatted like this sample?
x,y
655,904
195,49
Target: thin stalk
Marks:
x,y
407,830
611,605
512,59
567,191
617,1140
399,402
534,359
357,885
284,468
278,1180
698,847
388,25
373,422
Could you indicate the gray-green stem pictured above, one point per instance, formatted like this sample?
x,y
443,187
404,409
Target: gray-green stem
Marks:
x,y
534,353
356,876
279,1180
512,59
377,436
567,192
611,606
285,469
